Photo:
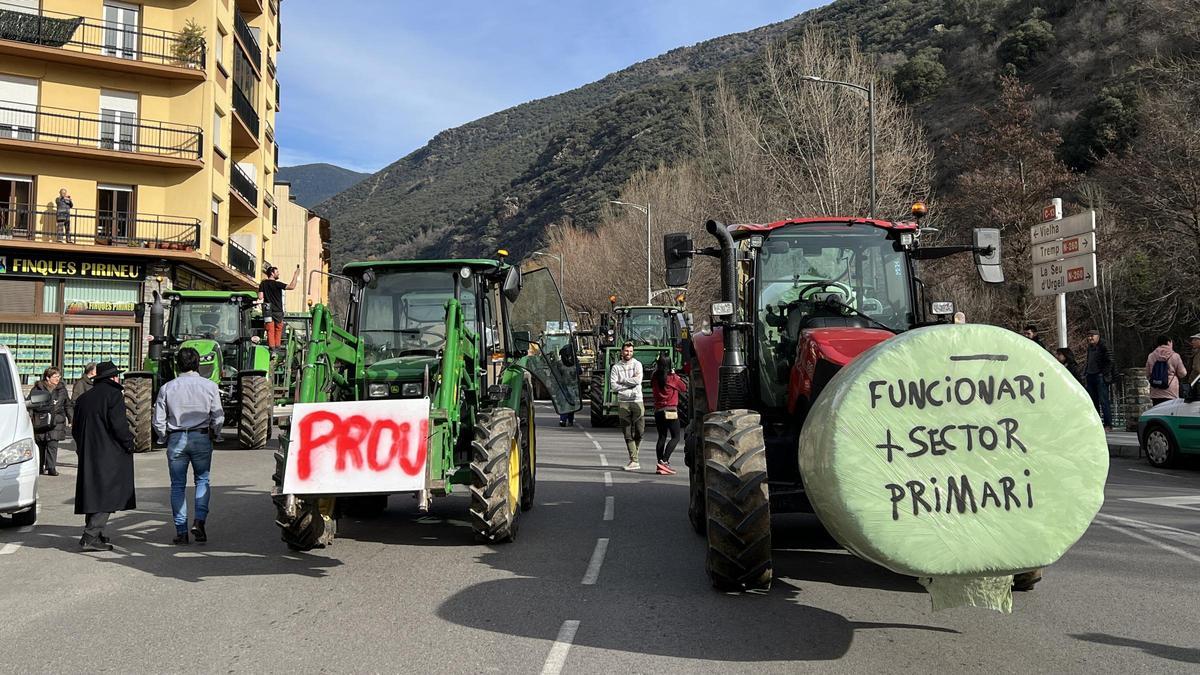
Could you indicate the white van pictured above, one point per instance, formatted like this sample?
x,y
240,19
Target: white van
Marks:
x,y
18,453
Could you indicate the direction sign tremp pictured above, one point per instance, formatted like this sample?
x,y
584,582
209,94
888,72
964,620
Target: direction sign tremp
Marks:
x,y
1069,247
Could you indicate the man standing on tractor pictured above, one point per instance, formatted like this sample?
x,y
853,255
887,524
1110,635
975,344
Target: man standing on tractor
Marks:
x,y
625,379
270,294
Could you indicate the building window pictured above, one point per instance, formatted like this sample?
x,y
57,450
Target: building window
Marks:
x,y
118,120
275,221
50,296
216,132
244,77
18,107
220,48
215,227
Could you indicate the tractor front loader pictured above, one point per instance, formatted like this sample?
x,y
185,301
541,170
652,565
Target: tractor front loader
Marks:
x,y
447,352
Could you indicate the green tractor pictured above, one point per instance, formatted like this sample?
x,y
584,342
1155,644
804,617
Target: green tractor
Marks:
x,y
220,326
448,349
654,331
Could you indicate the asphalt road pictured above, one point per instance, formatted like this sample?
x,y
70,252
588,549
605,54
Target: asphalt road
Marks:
x,y
605,576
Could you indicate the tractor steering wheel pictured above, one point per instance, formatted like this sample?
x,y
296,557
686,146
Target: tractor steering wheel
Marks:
x,y
841,288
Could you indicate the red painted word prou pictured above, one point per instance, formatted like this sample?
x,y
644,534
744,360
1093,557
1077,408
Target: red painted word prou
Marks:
x,y
380,445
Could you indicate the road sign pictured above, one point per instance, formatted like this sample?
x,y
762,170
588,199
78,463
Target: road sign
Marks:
x,y
1053,210
1071,247
1070,226
1065,276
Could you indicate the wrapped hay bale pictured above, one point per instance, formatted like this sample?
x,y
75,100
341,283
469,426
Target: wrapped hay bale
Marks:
x,y
958,454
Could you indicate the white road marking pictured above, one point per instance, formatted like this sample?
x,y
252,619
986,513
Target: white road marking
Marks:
x,y
1186,537
593,570
1153,542
607,479
597,445
1178,502
589,435
9,549
603,460
1155,473
608,508
557,657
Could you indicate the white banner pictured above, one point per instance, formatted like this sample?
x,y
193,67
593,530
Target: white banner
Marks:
x,y
353,447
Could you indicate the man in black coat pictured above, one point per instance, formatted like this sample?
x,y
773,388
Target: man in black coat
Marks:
x,y
104,445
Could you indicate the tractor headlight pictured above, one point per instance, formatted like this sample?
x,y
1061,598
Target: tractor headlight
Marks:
x,y
412,389
377,390
941,308
907,239
21,451
722,308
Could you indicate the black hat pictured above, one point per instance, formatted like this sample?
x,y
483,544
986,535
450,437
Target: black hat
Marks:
x,y
107,369
1094,332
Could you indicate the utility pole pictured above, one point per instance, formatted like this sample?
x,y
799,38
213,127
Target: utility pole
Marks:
x,y
870,92
646,210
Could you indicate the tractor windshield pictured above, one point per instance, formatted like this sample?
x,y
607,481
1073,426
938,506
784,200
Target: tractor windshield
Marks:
x,y
647,327
404,314
220,321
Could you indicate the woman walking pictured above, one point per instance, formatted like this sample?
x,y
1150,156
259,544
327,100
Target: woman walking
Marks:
x,y
1066,357
667,386
47,440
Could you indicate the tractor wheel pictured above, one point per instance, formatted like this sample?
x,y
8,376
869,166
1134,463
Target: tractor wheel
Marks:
x,y
528,456
693,452
308,529
139,406
737,504
596,399
254,416
496,475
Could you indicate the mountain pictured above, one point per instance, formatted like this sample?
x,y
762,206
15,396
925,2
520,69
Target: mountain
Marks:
x,y
501,180
314,183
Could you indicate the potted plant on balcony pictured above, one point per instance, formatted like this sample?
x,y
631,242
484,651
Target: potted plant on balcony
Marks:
x,y
188,49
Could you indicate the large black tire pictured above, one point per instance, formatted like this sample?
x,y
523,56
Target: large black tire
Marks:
x,y
528,456
254,412
308,529
596,399
736,501
1160,447
495,465
693,451
139,406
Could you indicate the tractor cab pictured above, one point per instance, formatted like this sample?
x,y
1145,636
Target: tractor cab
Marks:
x,y
218,326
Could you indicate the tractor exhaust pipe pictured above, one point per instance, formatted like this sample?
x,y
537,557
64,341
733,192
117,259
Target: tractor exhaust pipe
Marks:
x,y
733,385
157,327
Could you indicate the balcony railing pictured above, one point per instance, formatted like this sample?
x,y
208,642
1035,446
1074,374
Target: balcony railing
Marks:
x,y
247,38
97,36
242,260
104,228
105,131
243,185
245,110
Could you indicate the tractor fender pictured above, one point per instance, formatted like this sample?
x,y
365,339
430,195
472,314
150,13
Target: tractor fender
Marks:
x,y
248,373
260,357
820,354
709,349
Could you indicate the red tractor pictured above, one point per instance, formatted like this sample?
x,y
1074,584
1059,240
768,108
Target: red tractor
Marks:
x,y
799,300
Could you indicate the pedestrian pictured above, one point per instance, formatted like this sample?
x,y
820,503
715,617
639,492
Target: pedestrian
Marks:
x,y
571,364
1031,332
1164,369
187,415
1097,371
270,294
62,214
1195,369
1067,358
625,379
84,383
667,386
104,446
59,410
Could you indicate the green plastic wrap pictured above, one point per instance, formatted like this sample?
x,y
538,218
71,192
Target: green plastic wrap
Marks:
x,y
958,454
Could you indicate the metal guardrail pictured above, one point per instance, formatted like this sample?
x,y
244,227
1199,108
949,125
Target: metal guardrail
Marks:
x,y
247,38
103,131
242,260
101,37
244,185
245,110
105,228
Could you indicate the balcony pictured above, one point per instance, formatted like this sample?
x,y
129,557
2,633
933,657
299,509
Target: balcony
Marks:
x,y
101,228
97,43
242,260
246,37
250,7
101,136
245,132
244,189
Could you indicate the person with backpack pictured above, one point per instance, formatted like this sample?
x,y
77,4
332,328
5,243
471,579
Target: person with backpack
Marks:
x,y
1164,369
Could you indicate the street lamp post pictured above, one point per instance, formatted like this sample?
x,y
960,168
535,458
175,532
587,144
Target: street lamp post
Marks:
x,y
870,91
561,270
646,210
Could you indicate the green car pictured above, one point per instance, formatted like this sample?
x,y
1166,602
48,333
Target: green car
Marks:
x,y
1171,429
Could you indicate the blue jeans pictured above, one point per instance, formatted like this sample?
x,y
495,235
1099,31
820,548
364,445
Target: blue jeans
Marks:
x,y
184,448
1097,388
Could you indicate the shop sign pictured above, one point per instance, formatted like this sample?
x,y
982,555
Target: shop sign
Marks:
x,y
99,307
39,265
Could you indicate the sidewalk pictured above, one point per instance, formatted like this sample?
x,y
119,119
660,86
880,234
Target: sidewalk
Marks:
x,y
1123,444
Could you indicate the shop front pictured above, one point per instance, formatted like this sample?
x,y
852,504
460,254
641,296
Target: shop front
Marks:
x,y
66,310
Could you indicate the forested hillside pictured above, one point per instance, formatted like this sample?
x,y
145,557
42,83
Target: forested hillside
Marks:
x,y
314,183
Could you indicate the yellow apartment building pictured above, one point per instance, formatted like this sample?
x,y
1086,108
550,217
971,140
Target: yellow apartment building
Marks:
x,y
302,240
155,124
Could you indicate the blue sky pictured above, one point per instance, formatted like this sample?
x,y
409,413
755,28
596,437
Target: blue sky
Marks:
x,y
372,80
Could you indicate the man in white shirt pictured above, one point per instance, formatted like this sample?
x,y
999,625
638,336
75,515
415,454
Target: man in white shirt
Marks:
x,y
625,379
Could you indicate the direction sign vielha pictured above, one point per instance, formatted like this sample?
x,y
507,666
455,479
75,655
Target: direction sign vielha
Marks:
x,y
1067,227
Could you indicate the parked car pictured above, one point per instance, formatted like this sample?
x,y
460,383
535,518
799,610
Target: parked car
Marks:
x,y
1171,429
18,452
